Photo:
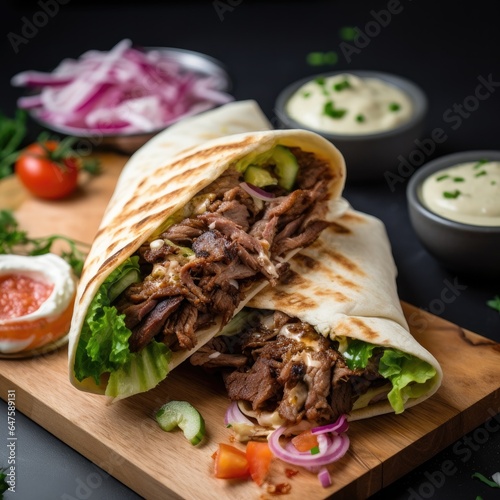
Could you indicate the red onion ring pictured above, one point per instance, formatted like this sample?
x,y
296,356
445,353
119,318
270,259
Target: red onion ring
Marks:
x,y
256,191
235,416
341,425
329,451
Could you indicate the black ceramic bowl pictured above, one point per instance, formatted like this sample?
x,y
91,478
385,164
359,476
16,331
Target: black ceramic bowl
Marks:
x,y
462,248
368,156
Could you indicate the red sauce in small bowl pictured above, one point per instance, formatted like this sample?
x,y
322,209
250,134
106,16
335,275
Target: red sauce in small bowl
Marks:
x,y
21,295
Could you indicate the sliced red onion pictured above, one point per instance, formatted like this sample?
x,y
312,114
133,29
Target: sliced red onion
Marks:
x,y
38,79
235,416
124,90
324,477
328,453
341,425
257,192
29,101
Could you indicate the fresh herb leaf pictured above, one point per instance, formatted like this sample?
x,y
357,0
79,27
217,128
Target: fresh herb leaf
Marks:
x,y
348,33
344,84
442,177
394,106
494,303
360,118
481,173
3,482
12,133
314,450
16,241
322,58
480,163
452,194
330,110
321,82
306,94
485,480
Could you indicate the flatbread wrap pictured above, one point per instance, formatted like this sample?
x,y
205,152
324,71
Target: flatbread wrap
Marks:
x,y
184,241
329,340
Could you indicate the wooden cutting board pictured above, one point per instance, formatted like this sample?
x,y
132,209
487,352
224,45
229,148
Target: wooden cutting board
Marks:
x,y
125,440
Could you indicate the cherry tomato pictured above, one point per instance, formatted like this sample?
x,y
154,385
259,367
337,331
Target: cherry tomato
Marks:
x,y
259,458
45,174
230,462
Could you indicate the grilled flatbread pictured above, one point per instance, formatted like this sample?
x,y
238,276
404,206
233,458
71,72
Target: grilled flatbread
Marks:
x,y
148,297
332,334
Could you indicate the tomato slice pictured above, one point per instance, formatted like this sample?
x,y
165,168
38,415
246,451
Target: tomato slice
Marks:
x,y
305,441
259,458
39,332
230,462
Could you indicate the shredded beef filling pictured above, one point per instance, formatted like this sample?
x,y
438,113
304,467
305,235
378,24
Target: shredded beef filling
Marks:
x,y
284,365
201,267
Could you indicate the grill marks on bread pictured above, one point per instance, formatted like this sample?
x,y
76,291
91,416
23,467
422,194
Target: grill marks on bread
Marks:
x,y
233,243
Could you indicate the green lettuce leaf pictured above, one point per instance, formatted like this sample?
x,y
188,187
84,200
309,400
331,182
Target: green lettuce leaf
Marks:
x,y
410,376
103,347
358,353
142,371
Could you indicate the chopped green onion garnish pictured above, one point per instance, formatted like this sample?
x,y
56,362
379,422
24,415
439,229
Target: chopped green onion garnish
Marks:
x,y
394,106
360,118
306,94
344,84
480,163
485,480
347,33
330,110
330,57
452,194
322,58
458,179
321,82
442,177
481,173
494,303
315,58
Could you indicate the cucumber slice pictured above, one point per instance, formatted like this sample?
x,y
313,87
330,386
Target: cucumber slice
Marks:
x,y
123,282
183,415
287,167
259,177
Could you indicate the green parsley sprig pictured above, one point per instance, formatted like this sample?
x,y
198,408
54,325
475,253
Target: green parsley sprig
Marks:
x,y
12,133
3,483
16,241
494,303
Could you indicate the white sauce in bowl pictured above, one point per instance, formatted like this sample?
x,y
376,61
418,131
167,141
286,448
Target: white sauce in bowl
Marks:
x,y
467,192
347,104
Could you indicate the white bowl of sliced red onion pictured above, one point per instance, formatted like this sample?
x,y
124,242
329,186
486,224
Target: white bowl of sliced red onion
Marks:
x,y
122,97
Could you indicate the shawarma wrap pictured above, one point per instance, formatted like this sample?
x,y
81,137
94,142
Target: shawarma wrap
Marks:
x,y
329,340
184,241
